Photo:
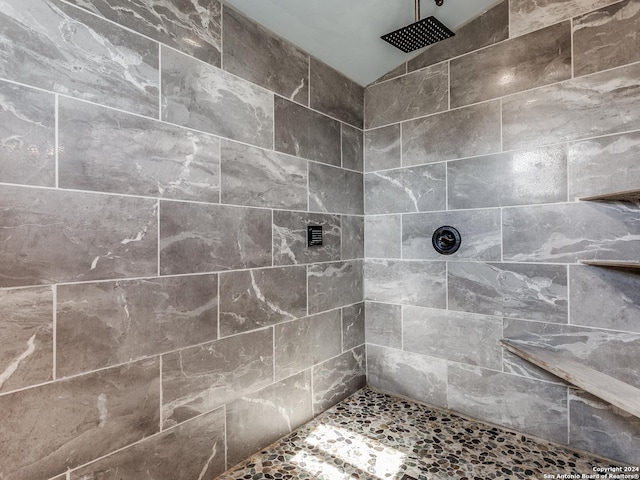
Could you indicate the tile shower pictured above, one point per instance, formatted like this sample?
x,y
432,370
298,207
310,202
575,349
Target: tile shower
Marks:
x,y
160,309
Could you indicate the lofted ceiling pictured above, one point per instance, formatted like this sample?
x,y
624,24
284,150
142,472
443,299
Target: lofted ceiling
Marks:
x,y
346,33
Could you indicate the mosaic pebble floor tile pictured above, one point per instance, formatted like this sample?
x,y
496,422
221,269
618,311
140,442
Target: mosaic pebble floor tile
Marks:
x,y
374,436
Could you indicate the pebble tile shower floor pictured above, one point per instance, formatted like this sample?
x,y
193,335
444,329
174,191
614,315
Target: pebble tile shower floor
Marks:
x,y
374,436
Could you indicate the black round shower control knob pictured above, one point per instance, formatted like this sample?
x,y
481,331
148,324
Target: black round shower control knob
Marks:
x,y
446,240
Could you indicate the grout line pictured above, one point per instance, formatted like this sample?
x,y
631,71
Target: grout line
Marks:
x,y
161,394
568,295
220,172
446,187
159,81
501,235
159,241
448,85
219,278
446,285
56,141
54,292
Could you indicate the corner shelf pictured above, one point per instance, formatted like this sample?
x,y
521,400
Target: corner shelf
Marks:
x,y
626,196
611,390
612,263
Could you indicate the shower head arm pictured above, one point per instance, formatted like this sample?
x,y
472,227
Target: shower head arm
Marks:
x,y
417,10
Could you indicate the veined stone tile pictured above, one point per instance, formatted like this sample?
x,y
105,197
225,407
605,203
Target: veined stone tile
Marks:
x,y
105,150
191,26
262,178
601,428
479,230
27,136
504,179
459,337
335,284
257,420
195,449
290,238
256,54
382,148
406,282
203,97
200,379
107,323
92,237
204,238
409,374
533,292
536,59
86,417
383,324
405,190
26,351
306,342
352,237
336,379
352,148
606,38
259,298
57,47
599,104
410,96
464,132
334,94
383,236
526,405
605,298
353,326
604,165
306,133
574,231
335,190
489,28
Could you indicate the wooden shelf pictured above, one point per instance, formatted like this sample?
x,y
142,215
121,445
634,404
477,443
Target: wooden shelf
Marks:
x,y
627,196
612,263
622,395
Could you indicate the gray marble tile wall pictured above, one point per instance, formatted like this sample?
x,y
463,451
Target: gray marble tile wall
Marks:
x,y
532,106
157,295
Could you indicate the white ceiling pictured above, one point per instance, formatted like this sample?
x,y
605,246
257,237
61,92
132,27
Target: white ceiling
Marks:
x,y
346,33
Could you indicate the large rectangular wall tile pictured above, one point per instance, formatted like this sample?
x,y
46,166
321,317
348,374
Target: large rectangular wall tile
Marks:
x,y
105,150
199,379
336,379
255,54
262,178
410,96
606,38
86,417
352,148
254,421
336,284
534,292
335,190
353,326
459,337
336,95
26,351
605,298
584,107
406,282
604,165
383,324
305,133
574,231
409,374
57,47
92,237
259,298
195,449
489,28
352,237
599,427
191,26
27,136
528,406
519,64
382,148
415,189
205,238
460,133
479,229
203,97
290,238
383,236
303,343
102,324
517,178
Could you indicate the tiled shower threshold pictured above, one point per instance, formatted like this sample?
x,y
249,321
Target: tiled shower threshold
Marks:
x,y
375,436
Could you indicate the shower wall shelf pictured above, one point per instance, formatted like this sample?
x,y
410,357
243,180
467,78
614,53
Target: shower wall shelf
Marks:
x,y
626,196
612,263
611,390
